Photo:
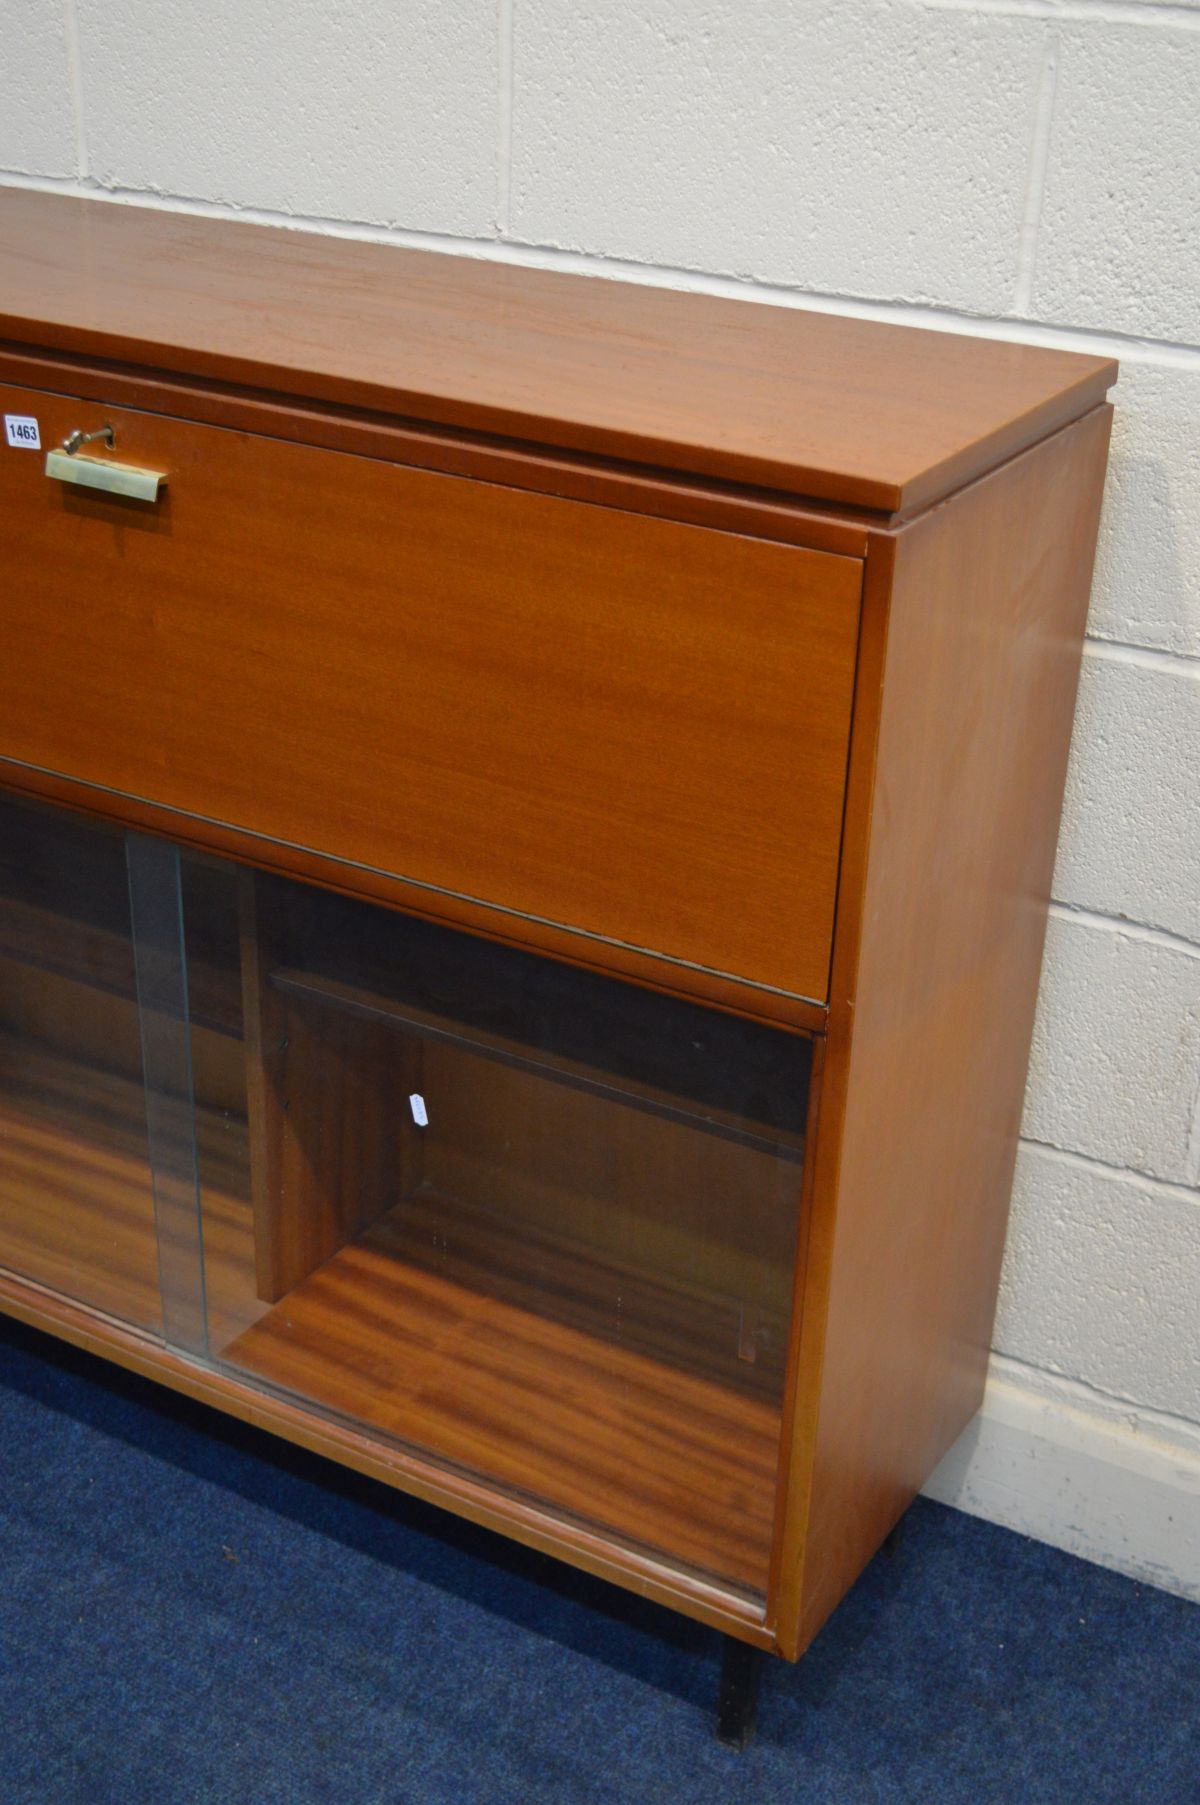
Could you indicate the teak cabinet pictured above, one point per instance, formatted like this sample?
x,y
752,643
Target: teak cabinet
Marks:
x,y
528,806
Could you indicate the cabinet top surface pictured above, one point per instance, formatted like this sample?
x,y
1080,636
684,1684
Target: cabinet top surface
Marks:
x,y
869,415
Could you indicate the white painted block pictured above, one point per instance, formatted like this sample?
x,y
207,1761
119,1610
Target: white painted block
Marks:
x,y
1130,842
1147,587
849,146
1118,245
1102,1282
1061,1466
37,112
1115,1073
364,111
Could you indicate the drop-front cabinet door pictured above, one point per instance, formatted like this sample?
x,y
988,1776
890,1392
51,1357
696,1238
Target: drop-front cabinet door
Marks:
x,y
592,718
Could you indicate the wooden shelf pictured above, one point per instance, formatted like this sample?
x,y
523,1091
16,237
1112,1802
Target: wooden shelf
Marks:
x,y
438,1351
76,1195
422,1331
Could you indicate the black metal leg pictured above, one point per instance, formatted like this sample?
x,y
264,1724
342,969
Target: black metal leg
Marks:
x,y
891,1540
737,1706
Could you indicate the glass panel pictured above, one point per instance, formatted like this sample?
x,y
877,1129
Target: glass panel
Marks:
x,y
219,1085
161,974
534,1222
537,1224
76,1199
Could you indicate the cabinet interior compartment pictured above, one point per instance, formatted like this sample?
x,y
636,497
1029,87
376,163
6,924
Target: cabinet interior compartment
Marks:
x,y
534,1221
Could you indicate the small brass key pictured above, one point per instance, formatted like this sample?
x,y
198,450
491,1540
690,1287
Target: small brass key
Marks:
x,y
65,466
75,441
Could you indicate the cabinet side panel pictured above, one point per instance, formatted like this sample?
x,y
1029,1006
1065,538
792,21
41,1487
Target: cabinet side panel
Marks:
x,y
935,984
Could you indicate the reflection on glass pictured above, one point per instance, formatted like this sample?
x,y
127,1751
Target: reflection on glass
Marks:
x,y
535,1222
160,969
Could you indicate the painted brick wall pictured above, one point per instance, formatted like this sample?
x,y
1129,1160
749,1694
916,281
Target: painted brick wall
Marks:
x,y
1027,168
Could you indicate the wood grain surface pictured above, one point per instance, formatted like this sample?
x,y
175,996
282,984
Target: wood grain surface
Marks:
x,y
626,1189
458,600
422,1477
598,719
576,476
651,972
76,1192
844,410
432,1356
953,822
335,1153
451,1350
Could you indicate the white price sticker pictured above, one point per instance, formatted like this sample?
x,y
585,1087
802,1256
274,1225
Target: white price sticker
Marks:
x,y
419,1113
21,430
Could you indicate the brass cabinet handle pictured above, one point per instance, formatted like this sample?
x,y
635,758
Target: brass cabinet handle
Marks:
x,y
66,466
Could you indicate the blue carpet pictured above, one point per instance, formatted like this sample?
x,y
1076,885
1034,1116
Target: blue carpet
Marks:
x,y
194,1614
